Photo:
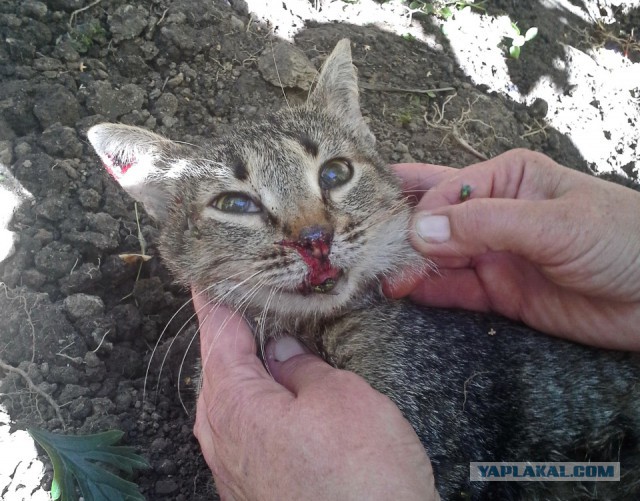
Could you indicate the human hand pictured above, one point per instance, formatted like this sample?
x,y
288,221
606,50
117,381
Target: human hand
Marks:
x,y
314,433
534,241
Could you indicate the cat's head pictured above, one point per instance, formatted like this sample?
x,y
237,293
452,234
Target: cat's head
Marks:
x,y
296,214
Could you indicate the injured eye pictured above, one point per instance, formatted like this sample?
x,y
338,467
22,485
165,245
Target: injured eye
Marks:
x,y
236,203
335,173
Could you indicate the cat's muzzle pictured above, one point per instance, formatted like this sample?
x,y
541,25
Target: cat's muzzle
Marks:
x,y
320,282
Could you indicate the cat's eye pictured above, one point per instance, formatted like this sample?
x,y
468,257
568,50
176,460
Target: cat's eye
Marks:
x,y
237,203
335,173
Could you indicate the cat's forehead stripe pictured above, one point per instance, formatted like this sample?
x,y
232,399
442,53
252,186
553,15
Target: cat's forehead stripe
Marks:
x,y
309,145
240,169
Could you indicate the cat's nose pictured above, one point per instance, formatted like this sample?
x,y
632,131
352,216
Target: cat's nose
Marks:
x,y
317,239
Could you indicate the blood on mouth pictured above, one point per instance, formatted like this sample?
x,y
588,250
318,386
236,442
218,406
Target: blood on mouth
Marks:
x,y
322,275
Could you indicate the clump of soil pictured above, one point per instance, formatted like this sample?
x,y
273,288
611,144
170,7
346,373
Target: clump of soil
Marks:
x,y
105,337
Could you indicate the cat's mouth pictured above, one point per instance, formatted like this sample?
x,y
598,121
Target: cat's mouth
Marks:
x,y
322,276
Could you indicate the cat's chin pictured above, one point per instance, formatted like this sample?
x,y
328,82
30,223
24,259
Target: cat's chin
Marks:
x,y
300,302
313,301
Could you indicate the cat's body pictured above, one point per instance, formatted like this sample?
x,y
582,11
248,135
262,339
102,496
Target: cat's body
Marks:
x,y
294,221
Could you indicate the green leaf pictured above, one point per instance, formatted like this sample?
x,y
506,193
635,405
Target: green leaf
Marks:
x,y
514,27
531,34
416,5
428,8
446,13
514,52
80,461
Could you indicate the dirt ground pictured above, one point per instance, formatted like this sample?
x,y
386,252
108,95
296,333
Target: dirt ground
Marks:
x,y
80,321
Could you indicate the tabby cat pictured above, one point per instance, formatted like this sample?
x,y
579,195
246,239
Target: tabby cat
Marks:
x,y
295,220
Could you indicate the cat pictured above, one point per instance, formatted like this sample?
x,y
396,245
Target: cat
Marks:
x,y
295,220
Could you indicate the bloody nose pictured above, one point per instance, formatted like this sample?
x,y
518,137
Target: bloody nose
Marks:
x,y
317,240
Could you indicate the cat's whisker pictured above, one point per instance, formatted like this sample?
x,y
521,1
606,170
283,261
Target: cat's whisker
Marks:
x,y
244,301
184,357
175,338
261,327
194,337
275,65
198,330
157,344
155,348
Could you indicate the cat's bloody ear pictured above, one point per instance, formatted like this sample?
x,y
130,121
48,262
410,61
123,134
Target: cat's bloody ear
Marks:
x,y
132,156
337,87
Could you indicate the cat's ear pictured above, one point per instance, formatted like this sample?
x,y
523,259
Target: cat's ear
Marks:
x,y
134,156
337,87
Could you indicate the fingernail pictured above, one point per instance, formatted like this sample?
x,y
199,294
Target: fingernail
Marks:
x,y
433,228
284,348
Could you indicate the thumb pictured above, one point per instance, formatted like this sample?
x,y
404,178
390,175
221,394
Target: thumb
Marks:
x,y
293,366
482,225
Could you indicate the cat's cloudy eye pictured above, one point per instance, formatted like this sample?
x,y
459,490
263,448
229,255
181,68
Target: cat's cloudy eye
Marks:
x,y
236,203
335,173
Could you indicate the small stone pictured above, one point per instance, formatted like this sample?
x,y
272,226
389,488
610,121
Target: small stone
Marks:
x,y
166,487
539,108
66,51
59,140
67,375
127,319
167,467
159,445
45,63
69,167
149,294
83,306
56,259
80,408
287,66
123,401
92,360
56,105
53,209
33,278
166,104
127,22
33,9
89,198
174,82
236,23
71,392
22,149
102,99
103,406
6,152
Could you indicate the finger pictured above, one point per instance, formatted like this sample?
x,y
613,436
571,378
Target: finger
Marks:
x,y
418,178
516,174
205,436
230,365
221,328
294,367
202,431
452,289
402,284
533,230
